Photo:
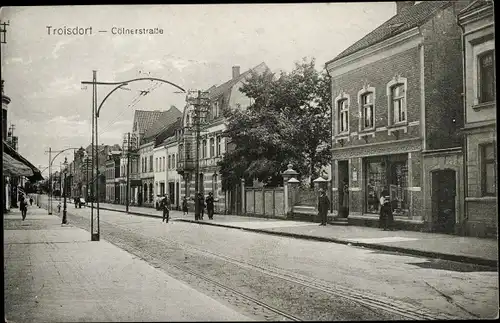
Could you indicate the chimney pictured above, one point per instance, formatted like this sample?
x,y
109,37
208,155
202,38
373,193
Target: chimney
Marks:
x,y
236,71
403,5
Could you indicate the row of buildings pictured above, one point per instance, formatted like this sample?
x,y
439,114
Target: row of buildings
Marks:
x,y
157,156
414,106
18,174
413,112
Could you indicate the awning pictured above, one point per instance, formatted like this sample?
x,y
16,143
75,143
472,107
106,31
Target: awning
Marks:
x,y
16,165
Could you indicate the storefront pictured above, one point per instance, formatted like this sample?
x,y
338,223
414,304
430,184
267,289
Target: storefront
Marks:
x,y
386,173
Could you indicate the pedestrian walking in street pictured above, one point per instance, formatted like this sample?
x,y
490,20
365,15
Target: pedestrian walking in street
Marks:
x,y
201,205
23,206
59,207
31,200
323,206
165,205
210,205
386,217
185,205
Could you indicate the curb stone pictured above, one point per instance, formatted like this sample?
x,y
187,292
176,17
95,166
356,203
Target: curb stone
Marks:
x,y
428,254
416,252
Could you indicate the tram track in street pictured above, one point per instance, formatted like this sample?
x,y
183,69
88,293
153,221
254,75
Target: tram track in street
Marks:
x,y
396,307
369,301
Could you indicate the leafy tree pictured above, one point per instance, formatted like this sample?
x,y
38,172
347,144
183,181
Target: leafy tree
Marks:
x,y
287,122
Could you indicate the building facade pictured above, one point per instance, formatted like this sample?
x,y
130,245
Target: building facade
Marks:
x,y
481,213
212,145
396,112
112,173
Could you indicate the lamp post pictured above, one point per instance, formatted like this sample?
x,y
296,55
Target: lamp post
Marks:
x,y
65,170
95,116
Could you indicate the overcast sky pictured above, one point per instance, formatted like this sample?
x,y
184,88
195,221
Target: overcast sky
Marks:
x,y
198,47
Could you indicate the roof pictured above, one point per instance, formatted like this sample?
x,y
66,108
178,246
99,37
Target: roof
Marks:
x,y
165,119
215,91
144,119
15,164
474,5
409,18
162,137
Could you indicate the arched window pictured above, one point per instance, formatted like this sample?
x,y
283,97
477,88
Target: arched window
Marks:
x,y
396,105
486,76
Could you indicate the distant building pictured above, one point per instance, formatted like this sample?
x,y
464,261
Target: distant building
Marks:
x,y
212,145
481,215
397,111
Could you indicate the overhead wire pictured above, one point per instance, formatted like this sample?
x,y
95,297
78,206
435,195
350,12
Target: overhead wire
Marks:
x,y
133,103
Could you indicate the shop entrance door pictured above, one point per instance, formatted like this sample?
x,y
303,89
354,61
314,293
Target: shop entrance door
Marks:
x,y
443,200
343,180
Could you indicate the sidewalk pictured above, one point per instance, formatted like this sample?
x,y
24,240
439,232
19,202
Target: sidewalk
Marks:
x,y
55,273
433,245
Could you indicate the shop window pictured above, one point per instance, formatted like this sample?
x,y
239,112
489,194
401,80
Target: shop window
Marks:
x,y
343,109
367,111
389,173
486,77
376,181
488,176
398,188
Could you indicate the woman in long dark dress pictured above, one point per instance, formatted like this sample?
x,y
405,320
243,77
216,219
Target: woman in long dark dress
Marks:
x,y
385,211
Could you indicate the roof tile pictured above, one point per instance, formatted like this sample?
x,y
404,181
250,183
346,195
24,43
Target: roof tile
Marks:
x,y
412,17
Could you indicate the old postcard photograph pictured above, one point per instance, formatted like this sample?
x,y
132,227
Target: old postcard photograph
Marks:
x,y
331,161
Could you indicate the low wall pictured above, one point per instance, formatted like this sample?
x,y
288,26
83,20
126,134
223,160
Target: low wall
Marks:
x,y
265,202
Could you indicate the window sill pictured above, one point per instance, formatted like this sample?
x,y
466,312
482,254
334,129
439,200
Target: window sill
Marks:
x,y
397,127
485,105
491,199
366,133
342,136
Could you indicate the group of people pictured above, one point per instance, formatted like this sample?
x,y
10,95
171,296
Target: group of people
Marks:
x,y
203,203
78,202
386,218
23,205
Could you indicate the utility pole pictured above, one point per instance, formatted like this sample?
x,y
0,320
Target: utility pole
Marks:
x,y
93,238
200,109
128,170
49,207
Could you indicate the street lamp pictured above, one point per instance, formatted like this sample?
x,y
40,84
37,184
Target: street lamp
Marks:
x,y
65,170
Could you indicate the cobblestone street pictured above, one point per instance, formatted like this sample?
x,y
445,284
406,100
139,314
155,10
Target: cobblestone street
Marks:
x,y
308,280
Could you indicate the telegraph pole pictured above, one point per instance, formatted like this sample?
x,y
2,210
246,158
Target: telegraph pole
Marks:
x,y
200,108
128,170
49,207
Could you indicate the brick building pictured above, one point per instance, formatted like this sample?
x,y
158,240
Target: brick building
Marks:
x,y
481,191
397,111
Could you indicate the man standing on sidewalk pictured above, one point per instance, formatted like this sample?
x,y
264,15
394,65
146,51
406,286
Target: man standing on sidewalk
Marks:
x,y
323,206
210,205
165,203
